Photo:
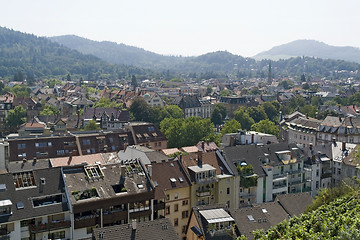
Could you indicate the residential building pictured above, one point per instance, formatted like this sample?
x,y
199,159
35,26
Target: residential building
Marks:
x,y
192,106
34,205
101,196
211,222
303,131
172,187
148,135
212,179
247,137
234,102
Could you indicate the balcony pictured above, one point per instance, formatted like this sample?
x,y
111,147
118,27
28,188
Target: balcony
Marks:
x,y
4,234
203,193
280,177
45,227
87,221
110,217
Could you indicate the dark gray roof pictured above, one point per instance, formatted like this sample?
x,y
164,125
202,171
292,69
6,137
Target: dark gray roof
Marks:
x,y
295,203
77,181
188,101
157,230
28,165
53,185
250,153
260,216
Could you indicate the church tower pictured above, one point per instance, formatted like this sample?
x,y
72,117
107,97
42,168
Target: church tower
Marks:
x,y
269,75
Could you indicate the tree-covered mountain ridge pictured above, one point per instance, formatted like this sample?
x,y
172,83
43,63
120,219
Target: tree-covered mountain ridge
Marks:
x,y
311,48
214,62
40,57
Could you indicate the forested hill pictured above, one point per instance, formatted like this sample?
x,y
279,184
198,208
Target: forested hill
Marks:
x,y
215,64
118,53
38,57
311,48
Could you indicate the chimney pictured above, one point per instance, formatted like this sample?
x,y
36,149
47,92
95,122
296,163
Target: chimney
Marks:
x,y
42,184
133,224
334,141
200,158
122,171
313,158
149,167
70,158
343,146
125,146
203,146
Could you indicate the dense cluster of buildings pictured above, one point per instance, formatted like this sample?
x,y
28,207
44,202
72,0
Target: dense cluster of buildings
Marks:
x,y
122,182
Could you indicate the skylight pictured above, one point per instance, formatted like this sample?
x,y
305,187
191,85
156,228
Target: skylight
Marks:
x,y
2,187
251,218
140,186
181,179
264,210
20,205
173,180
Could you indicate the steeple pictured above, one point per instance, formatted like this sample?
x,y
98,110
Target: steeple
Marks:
x,y
269,75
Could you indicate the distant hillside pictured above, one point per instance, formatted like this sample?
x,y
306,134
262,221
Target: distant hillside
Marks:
x,y
311,48
39,57
118,53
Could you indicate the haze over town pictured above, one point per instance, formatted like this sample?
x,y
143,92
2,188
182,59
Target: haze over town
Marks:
x,y
190,28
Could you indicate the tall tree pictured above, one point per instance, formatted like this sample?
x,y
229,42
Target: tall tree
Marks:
x,y
92,125
15,118
266,126
141,111
231,126
243,118
134,82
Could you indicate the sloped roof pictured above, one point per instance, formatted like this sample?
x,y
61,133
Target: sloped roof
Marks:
x,y
159,229
295,203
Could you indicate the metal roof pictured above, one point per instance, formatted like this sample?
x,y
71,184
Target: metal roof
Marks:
x,y
216,215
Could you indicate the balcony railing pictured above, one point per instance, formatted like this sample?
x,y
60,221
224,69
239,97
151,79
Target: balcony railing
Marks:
x,y
45,227
203,193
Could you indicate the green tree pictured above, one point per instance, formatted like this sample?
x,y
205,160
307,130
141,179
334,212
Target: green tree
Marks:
x,y
270,110
106,103
15,118
186,132
21,91
92,125
68,78
134,82
231,126
302,78
208,91
266,126
50,110
225,93
243,118
141,110
257,113
218,114
174,111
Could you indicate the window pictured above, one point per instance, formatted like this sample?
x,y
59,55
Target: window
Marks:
x,y
185,202
183,229
185,214
339,171
168,197
228,191
176,222
167,210
24,223
60,152
111,140
317,172
176,196
86,142
56,235
42,144
176,207
317,184
22,146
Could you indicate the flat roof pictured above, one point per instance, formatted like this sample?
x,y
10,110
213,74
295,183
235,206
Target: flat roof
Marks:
x,y
204,167
216,215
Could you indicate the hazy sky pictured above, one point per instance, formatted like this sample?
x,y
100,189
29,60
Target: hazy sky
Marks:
x,y
243,27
